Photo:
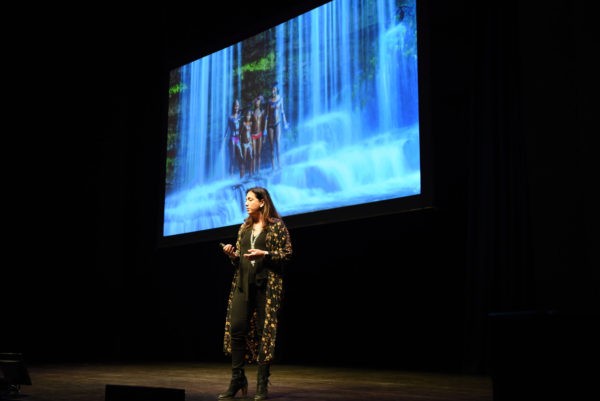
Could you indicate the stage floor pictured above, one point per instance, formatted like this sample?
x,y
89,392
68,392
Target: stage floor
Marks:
x,y
203,381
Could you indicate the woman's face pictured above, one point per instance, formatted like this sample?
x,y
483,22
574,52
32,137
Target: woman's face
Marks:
x,y
253,204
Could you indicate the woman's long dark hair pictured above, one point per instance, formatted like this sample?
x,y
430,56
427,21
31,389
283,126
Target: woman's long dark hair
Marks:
x,y
269,210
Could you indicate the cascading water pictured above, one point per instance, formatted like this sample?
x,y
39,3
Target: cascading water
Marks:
x,y
347,72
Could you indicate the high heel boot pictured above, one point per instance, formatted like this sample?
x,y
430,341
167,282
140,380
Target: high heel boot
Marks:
x,y
262,383
238,382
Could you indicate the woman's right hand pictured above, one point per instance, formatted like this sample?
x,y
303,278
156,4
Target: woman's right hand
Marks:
x,y
229,250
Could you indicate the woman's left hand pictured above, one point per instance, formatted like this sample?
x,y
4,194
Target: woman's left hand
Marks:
x,y
254,254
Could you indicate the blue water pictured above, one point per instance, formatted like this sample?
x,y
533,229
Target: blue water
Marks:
x,y
352,107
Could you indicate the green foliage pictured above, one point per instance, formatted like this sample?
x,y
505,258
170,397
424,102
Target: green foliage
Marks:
x,y
266,63
257,75
176,89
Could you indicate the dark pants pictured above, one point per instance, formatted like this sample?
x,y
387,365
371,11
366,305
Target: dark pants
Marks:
x,y
241,313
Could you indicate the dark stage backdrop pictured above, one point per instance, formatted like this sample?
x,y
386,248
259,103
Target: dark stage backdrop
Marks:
x,y
84,279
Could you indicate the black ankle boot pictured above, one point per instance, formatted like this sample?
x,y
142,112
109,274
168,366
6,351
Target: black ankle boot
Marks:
x,y
238,382
262,383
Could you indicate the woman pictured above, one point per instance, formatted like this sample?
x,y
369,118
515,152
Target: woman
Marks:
x,y
263,248
258,127
274,120
232,135
246,162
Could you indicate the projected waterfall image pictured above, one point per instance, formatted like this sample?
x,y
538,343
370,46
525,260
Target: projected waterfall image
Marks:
x,y
322,110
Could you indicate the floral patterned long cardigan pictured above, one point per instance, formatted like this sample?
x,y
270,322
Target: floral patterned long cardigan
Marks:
x,y
279,246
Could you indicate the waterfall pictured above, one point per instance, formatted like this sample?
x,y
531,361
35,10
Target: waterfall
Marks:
x,y
348,78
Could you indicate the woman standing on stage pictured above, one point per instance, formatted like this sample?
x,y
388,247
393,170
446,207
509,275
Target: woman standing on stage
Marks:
x,y
262,250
